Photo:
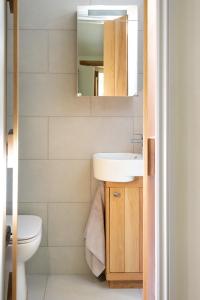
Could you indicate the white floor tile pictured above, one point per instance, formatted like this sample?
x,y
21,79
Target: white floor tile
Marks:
x,y
83,287
36,287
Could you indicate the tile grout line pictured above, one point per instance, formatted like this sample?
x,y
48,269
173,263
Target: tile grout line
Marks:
x,y
132,132
47,224
48,140
91,107
91,195
44,73
45,290
48,51
54,203
55,159
62,73
80,116
64,246
45,29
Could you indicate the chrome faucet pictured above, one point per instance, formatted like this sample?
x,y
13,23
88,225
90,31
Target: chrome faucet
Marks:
x,y
137,139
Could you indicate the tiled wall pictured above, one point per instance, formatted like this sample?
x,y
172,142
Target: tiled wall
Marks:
x,y
59,132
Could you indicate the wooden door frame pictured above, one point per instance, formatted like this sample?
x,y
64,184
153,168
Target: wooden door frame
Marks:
x,y
163,161
15,145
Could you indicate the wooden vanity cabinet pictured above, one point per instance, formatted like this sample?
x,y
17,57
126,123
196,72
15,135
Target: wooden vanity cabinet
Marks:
x,y
124,220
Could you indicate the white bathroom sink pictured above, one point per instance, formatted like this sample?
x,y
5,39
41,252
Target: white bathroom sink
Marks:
x,y
117,167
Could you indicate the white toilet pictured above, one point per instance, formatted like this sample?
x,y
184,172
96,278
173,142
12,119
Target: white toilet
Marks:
x,y
29,238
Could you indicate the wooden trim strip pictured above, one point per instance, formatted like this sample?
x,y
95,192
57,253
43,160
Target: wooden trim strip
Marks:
x,y
138,182
9,294
124,276
151,156
141,229
150,94
94,63
15,143
145,194
107,227
129,284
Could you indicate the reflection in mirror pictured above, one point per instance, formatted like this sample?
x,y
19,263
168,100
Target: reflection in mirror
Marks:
x,y
107,50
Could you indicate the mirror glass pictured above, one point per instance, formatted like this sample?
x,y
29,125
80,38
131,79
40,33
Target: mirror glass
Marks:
x,y
107,52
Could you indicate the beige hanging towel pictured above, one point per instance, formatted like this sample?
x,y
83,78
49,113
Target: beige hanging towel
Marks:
x,y
95,234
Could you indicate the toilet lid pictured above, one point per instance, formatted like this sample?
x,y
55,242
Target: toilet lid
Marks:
x,y
28,226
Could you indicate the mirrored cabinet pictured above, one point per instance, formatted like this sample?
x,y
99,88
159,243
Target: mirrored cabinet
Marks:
x,y
107,55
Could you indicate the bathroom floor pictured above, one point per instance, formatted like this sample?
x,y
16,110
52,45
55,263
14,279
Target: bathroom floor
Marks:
x,y
75,287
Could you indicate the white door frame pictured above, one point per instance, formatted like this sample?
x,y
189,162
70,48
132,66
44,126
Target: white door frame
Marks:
x,y
3,159
164,163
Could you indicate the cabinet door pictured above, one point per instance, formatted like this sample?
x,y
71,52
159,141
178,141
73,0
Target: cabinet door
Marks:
x,y
132,230
117,232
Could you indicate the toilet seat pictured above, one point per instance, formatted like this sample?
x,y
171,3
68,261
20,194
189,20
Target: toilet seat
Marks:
x,y
22,242
29,227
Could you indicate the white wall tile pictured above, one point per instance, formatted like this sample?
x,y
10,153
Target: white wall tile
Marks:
x,y
94,181
10,94
54,181
48,95
36,209
141,14
9,191
33,138
140,51
62,51
66,224
80,138
49,14
33,51
140,83
138,125
140,105
9,44
114,106
138,148
51,95
138,128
